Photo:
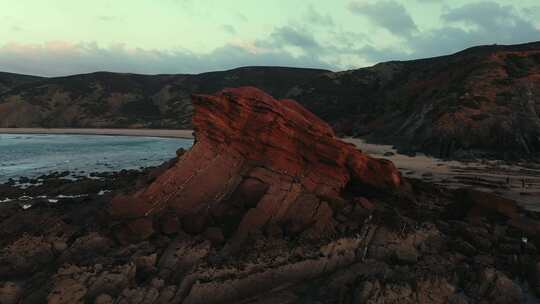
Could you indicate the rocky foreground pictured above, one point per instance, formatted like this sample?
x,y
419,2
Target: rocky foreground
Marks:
x,y
269,207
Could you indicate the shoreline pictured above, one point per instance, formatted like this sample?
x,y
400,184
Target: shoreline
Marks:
x,y
509,181
165,133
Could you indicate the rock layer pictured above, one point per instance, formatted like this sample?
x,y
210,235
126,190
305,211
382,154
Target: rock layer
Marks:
x,y
258,164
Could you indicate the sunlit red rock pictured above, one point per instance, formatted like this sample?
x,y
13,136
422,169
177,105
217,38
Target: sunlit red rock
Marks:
x,y
258,163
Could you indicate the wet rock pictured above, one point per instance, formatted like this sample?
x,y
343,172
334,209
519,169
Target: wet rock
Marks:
x,y
464,247
214,235
195,224
145,264
180,257
221,287
474,204
112,281
142,295
170,224
104,299
435,290
10,293
180,152
364,203
458,299
86,246
67,291
366,290
166,295
74,284
25,255
406,255
497,288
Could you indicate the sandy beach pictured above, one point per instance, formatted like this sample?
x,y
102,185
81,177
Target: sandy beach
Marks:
x,y
519,181
188,134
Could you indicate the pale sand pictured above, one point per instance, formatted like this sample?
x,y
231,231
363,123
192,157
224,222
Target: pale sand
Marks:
x,y
483,175
188,134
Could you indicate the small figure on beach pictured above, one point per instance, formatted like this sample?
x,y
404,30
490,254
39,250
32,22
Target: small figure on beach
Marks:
x,y
524,241
523,183
508,180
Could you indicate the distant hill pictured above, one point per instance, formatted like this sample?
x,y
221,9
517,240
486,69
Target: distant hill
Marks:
x,y
483,100
111,100
10,80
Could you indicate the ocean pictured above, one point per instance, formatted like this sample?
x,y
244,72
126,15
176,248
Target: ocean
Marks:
x,y
32,155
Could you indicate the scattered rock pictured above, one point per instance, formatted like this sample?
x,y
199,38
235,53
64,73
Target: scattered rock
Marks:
x,y
104,299
406,255
10,293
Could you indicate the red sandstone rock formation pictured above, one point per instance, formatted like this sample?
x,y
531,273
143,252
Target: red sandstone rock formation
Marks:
x,y
258,165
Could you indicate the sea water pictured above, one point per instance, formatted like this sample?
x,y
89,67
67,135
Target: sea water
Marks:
x,y
33,155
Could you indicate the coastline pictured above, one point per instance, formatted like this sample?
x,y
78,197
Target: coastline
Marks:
x,y
166,133
485,176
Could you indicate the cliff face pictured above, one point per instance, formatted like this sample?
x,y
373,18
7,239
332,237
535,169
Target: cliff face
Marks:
x,y
484,99
258,164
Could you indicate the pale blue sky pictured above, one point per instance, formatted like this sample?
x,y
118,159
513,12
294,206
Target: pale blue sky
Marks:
x,y
60,37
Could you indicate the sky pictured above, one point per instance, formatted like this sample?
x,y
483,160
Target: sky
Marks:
x,y
64,37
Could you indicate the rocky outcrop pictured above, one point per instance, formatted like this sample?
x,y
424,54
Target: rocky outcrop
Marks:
x,y
258,165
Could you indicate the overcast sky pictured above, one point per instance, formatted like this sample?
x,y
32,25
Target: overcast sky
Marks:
x,y
61,37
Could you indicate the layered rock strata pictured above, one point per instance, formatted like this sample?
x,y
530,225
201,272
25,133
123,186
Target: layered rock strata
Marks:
x,y
258,164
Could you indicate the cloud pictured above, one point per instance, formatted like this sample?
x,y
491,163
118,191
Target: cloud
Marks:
x,y
288,35
485,15
316,18
241,17
107,18
461,27
63,58
387,14
475,24
228,29
532,11
312,41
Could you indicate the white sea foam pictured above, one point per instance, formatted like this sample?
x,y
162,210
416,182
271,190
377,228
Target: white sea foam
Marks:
x,y
102,192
